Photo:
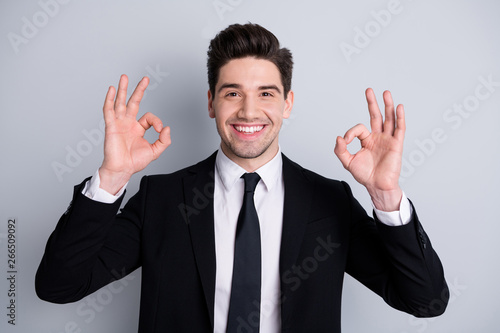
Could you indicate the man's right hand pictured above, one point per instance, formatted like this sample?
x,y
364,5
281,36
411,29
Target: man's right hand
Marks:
x,y
125,149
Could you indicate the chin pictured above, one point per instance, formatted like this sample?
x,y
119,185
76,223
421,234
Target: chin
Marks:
x,y
247,152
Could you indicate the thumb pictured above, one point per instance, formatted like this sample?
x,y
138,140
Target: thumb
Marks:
x,y
342,153
162,143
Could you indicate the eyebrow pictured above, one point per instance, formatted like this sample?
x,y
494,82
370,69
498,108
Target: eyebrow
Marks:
x,y
271,87
229,85
238,86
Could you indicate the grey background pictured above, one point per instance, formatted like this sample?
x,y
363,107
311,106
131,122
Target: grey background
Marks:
x,y
431,55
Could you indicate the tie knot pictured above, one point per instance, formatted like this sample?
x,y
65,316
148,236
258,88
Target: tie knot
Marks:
x,y
251,180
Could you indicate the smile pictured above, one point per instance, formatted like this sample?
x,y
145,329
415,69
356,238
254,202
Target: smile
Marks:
x,y
248,129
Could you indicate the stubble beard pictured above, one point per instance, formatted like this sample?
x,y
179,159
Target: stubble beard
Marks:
x,y
247,152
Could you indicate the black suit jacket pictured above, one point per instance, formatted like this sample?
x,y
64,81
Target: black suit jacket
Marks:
x,y
167,228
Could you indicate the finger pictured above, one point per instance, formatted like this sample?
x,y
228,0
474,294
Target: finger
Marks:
x,y
135,99
148,120
162,143
342,153
121,96
389,113
108,108
376,122
359,131
400,130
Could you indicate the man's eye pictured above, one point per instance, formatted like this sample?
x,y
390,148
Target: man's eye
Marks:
x,y
266,94
232,94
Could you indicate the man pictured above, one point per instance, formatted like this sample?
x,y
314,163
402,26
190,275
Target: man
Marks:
x,y
276,265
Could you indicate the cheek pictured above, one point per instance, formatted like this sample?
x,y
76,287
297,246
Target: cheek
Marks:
x,y
221,120
275,113
224,111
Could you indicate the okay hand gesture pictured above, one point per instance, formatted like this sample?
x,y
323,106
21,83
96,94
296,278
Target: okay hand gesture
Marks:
x,y
125,149
377,165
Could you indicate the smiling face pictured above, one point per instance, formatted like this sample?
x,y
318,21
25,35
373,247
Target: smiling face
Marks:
x,y
249,108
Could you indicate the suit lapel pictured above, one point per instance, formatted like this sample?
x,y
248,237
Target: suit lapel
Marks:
x,y
297,205
199,203
298,197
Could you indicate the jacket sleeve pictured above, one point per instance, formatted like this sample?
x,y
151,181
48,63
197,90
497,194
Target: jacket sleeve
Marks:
x,y
397,263
90,247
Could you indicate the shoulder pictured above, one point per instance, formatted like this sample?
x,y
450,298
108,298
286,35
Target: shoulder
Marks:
x,y
324,196
205,168
292,169
319,187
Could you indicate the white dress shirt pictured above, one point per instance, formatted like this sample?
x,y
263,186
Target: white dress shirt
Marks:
x,y
228,199
269,200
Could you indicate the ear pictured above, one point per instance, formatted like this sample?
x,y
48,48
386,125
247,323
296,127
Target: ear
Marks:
x,y
288,105
211,111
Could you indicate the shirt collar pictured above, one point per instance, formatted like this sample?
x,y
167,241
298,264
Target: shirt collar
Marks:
x,y
230,172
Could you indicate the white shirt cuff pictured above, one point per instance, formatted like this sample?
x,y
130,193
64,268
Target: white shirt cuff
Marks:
x,y
397,217
94,192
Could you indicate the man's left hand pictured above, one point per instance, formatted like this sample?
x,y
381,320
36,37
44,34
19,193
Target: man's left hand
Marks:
x,y
377,165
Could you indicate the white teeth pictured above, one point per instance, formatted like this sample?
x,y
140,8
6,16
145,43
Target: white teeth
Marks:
x,y
249,129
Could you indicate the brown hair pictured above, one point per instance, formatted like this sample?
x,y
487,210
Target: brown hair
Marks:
x,y
248,40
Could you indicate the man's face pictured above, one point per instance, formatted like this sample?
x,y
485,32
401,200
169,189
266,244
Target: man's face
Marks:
x,y
249,108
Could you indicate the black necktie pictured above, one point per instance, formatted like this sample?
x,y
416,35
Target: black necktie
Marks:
x,y
244,306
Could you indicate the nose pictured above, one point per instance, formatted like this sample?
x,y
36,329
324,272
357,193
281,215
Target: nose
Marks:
x,y
248,109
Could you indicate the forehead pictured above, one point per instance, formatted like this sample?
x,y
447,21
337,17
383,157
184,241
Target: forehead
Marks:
x,y
249,72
